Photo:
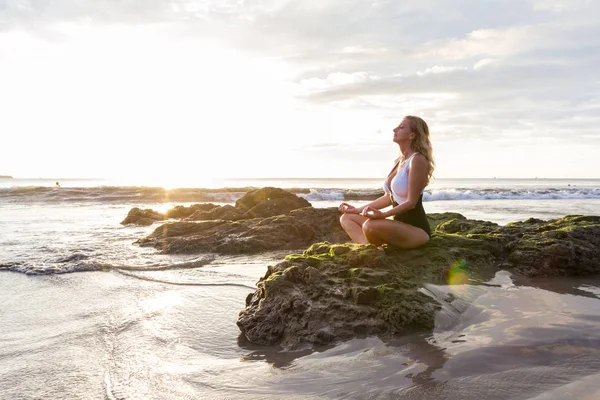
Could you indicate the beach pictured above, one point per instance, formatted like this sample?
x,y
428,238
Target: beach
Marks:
x,y
88,314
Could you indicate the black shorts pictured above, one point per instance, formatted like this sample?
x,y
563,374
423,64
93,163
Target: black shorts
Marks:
x,y
415,217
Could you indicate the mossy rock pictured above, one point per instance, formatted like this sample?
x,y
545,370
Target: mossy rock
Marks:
x,y
332,292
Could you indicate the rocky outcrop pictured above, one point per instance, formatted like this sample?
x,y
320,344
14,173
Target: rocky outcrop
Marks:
x,y
226,212
563,246
138,216
296,230
187,212
259,203
333,292
268,202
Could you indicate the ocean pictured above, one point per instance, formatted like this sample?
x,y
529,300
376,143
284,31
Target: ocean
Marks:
x,y
87,314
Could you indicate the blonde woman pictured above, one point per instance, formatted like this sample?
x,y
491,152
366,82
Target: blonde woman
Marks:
x,y
403,187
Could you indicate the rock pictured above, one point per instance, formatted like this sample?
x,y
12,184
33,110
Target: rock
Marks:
x,y
334,292
225,212
259,203
185,212
142,217
561,247
269,201
436,219
296,230
147,216
360,291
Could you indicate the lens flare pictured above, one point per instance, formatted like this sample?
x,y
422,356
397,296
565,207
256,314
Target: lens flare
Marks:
x,y
457,274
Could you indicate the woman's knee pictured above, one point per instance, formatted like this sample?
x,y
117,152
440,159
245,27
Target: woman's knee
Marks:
x,y
345,219
372,230
369,227
347,222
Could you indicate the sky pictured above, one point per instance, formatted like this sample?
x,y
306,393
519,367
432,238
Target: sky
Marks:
x,y
189,90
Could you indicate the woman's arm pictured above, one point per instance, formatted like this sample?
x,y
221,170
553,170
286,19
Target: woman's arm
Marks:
x,y
378,204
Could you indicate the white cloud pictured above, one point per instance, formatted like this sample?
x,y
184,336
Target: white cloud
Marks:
x,y
483,62
440,70
363,50
492,43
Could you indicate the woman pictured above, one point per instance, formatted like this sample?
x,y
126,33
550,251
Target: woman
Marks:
x,y
403,191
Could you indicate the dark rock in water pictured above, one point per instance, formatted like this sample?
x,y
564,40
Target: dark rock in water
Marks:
x,y
186,212
269,201
142,217
264,202
336,292
147,216
226,212
296,230
566,246
559,247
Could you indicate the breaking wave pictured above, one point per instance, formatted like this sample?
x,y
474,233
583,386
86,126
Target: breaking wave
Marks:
x,y
134,194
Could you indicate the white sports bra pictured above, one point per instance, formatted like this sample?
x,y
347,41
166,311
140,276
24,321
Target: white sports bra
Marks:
x,y
400,182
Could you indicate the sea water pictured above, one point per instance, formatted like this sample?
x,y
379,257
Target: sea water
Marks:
x,y
87,314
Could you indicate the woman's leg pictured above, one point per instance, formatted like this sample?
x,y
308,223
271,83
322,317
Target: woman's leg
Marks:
x,y
396,233
352,224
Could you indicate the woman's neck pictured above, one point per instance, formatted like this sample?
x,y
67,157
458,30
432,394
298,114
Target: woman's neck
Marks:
x,y
406,150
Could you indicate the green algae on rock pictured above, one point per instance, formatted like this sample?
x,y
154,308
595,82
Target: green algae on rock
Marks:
x,y
565,246
334,292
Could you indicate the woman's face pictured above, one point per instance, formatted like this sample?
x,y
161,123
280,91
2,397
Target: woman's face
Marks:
x,y
402,132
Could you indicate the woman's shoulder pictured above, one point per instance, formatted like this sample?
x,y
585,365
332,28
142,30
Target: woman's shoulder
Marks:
x,y
418,157
419,160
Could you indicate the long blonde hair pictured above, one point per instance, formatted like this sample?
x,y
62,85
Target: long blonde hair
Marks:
x,y
421,142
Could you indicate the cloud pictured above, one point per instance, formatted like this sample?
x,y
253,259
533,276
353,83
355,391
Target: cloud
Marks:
x,y
440,70
483,62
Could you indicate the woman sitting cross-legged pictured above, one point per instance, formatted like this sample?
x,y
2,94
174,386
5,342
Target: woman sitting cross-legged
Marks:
x,y
403,187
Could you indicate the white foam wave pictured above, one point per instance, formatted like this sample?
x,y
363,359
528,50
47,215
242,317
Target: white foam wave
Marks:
x,y
323,195
460,194
42,269
491,194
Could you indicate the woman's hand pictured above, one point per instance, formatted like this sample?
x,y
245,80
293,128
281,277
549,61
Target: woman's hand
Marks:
x,y
372,213
348,209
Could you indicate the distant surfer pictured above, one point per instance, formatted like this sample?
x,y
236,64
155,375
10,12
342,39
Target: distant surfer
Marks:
x,y
57,184
404,188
